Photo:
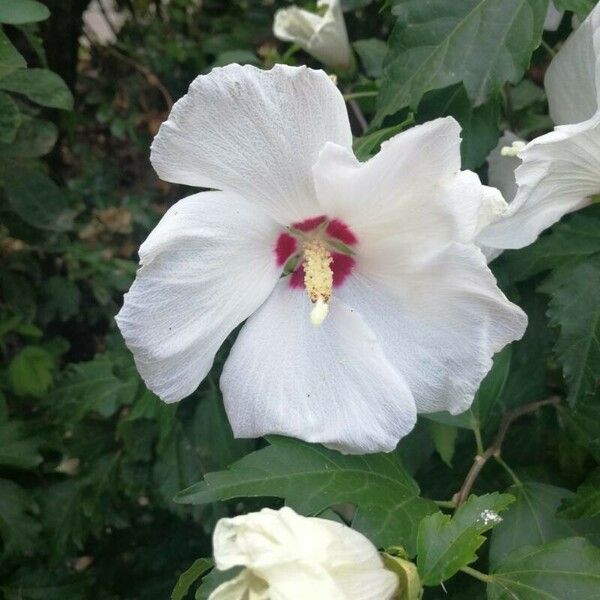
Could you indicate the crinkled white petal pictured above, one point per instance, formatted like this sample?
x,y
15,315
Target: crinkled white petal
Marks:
x,y
553,17
256,133
330,384
205,268
412,193
573,80
559,173
439,323
299,557
244,586
324,37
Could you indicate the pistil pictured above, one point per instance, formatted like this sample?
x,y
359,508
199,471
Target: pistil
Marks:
x,y
318,278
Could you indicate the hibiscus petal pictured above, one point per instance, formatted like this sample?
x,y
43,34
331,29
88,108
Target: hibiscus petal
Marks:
x,y
207,265
572,80
412,192
238,588
303,557
559,173
256,133
439,324
330,384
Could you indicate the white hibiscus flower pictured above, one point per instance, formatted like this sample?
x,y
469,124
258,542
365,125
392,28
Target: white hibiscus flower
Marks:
x,y
288,557
384,247
323,36
560,171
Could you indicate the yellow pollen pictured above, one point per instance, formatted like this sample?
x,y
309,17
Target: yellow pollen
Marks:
x,y
318,278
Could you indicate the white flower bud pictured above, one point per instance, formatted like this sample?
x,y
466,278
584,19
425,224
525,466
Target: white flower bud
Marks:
x,y
324,37
285,555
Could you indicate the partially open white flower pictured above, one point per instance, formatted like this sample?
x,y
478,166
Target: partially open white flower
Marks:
x,y
289,557
413,316
560,171
324,37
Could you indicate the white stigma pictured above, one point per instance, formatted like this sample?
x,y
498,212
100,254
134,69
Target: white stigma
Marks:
x,y
319,312
514,149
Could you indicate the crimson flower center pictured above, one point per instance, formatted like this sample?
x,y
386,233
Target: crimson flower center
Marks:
x,y
317,253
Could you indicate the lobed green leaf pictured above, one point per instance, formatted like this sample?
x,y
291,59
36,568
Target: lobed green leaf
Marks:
x,y
312,478
446,544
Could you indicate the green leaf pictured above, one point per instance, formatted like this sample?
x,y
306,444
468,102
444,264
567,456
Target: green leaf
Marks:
x,y
39,85
211,433
17,449
17,12
31,372
213,580
583,424
348,5
64,524
483,43
444,438
241,57
567,568
18,529
10,118
527,377
581,7
480,130
35,138
10,59
585,502
371,53
312,478
488,395
575,308
187,578
525,94
37,199
569,242
43,583
94,386
446,544
532,520
367,145
177,465
62,298
195,444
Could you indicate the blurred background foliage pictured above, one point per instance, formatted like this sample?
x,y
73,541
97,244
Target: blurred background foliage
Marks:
x,y
90,460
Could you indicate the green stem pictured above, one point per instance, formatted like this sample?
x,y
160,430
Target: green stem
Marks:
x,y
289,53
548,48
477,433
445,503
477,574
352,96
512,474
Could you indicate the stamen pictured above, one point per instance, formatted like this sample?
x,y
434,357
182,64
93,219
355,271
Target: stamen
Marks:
x,y
318,278
514,149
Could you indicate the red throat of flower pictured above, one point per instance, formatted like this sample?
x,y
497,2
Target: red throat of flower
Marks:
x,y
318,254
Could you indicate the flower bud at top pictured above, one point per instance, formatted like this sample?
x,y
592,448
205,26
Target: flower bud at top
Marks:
x,y
324,37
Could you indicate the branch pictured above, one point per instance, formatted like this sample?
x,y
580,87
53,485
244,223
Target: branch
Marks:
x,y
151,78
495,449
